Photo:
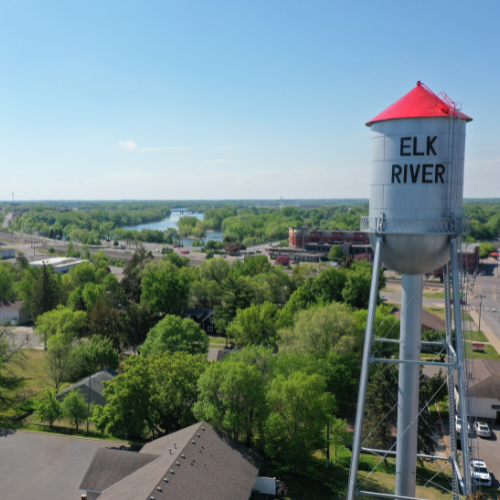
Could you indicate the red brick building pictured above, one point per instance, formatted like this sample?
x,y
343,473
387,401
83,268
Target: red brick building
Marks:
x,y
300,237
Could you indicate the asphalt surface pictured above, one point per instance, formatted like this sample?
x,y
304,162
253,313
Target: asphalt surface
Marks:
x,y
40,467
488,451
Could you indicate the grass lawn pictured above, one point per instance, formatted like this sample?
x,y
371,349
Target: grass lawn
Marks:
x,y
316,482
439,311
437,295
489,352
476,336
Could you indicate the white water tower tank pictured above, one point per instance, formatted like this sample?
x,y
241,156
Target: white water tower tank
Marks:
x,y
416,180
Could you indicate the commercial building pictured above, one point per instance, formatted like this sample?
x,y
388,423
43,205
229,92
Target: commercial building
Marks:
x,y
59,264
300,237
320,241
196,462
7,253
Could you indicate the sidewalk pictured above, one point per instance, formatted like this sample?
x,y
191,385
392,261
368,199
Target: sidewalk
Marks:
x,y
492,338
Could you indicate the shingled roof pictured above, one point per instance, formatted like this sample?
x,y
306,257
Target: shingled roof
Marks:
x,y
196,462
96,383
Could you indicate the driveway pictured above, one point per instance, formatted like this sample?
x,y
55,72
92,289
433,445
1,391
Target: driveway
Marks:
x,y
42,467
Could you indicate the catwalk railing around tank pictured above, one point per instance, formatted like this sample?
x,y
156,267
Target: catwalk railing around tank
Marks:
x,y
386,225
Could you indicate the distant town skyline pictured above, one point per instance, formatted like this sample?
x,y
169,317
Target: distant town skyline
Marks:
x,y
229,100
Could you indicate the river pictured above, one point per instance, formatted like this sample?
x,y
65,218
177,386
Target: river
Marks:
x,y
172,220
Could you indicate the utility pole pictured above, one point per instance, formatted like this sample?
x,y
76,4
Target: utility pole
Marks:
x,y
480,307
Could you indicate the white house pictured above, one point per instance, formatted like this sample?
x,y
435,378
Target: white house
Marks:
x,y
11,311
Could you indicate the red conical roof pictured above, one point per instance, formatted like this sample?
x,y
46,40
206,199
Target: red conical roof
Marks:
x,y
420,102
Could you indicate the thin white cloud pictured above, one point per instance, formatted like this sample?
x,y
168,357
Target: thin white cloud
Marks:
x,y
216,161
129,145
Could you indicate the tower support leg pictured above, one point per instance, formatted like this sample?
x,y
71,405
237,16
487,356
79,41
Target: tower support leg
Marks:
x,y
408,388
459,347
363,382
450,378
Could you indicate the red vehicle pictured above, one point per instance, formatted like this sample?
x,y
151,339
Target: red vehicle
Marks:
x,y
185,251
177,246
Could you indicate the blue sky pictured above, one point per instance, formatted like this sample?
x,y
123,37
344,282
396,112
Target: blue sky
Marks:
x,y
230,99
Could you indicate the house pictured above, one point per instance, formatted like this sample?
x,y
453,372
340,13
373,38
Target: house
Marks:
x,y
483,389
196,462
204,317
429,321
11,311
96,386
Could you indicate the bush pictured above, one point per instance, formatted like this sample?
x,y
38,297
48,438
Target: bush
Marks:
x,y
282,261
51,250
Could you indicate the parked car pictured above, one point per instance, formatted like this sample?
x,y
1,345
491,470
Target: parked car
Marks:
x,y
202,249
383,298
177,246
123,246
482,273
258,251
480,474
482,429
458,424
185,251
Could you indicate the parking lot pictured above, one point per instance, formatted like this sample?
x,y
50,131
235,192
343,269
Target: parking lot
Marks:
x,y
488,450
43,467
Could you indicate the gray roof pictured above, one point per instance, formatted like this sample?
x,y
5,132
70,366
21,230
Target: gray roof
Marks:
x,y
213,467
485,382
96,383
11,305
110,466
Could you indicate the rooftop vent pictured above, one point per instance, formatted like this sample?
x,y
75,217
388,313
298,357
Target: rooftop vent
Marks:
x,y
171,471
203,428
197,434
193,442
165,479
170,451
175,445
182,455
177,463
158,488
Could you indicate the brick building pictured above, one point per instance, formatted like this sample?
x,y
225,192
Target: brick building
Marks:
x,y
300,237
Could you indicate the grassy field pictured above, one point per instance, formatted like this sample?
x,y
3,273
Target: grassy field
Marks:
x,y
437,295
439,311
24,383
316,482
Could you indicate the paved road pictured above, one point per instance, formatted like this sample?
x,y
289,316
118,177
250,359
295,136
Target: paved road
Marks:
x,y
41,467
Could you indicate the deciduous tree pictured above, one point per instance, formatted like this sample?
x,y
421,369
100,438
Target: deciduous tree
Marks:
x,y
175,334
74,408
153,395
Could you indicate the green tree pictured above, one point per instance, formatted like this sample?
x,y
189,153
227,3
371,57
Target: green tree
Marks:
x,y
165,291
336,253
131,282
321,329
11,353
116,244
61,321
236,294
105,321
91,356
46,293
57,356
381,407
47,408
299,412
175,334
255,355
136,321
153,395
485,248
255,325
232,398
6,283
74,408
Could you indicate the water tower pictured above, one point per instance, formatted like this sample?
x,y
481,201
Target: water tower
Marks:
x,y
415,223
